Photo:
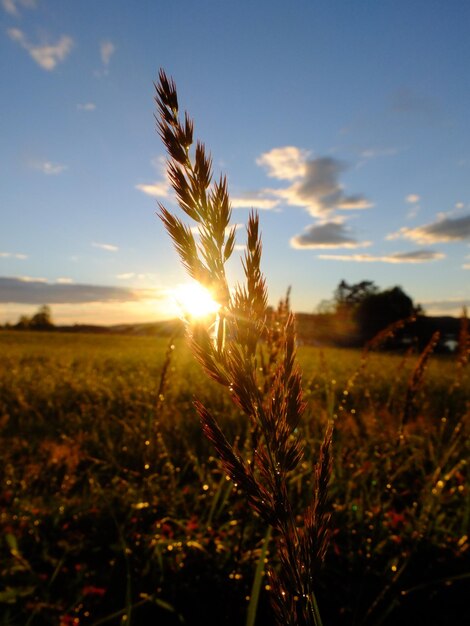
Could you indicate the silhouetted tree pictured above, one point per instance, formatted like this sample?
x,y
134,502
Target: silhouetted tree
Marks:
x,y
347,295
42,320
364,310
23,323
378,310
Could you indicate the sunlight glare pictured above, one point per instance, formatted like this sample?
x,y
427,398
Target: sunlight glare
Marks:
x,y
195,301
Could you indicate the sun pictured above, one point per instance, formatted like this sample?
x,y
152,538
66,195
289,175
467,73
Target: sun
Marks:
x,y
194,301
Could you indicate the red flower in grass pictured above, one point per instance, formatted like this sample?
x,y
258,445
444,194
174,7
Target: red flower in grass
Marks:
x,y
192,524
90,590
68,620
395,519
167,531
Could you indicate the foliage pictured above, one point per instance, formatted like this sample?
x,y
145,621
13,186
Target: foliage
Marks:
x,y
359,311
381,309
99,518
41,320
347,295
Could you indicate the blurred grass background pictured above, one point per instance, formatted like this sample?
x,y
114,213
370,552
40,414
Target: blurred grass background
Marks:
x,y
114,510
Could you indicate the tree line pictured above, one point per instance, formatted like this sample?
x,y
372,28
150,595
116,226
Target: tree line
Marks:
x,y
356,314
360,312
41,320
363,310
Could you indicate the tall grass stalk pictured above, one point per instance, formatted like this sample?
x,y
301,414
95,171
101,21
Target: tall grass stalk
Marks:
x,y
268,389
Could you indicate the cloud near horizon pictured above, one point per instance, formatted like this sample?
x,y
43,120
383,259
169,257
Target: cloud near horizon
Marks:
x,y
36,291
451,306
47,56
417,256
332,234
13,255
443,230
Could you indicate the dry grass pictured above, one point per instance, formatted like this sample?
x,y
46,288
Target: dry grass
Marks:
x,y
253,355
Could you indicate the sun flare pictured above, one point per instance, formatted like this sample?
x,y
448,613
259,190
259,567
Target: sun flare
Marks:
x,y
194,301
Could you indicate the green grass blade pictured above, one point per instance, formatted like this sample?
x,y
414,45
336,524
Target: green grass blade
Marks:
x,y
255,589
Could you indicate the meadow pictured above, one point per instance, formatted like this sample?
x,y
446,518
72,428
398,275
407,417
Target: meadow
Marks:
x,y
115,510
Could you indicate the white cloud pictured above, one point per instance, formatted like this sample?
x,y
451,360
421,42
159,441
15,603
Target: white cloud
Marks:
x,y
11,6
332,234
418,256
148,278
413,198
64,281
253,202
107,49
105,246
29,279
315,182
156,190
160,188
86,106
286,163
13,255
125,276
49,168
320,191
444,229
47,55
450,306
29,290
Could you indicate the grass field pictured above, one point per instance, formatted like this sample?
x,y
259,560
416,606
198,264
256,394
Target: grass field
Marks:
x,y
114,509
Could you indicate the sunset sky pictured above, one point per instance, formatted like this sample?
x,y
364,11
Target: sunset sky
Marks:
x,y
345,124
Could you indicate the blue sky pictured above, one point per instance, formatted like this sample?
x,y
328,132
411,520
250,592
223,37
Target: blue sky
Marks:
x,y
344,123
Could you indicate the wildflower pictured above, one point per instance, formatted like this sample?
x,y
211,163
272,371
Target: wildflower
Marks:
x,y
91,590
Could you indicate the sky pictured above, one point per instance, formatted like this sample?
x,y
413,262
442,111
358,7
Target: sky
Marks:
x,y
344,124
